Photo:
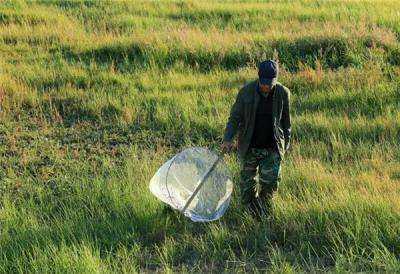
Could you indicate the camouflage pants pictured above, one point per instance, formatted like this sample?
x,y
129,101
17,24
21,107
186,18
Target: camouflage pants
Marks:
x,y
255,194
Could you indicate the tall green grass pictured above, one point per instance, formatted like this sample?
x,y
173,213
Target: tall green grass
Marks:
x,y
96,95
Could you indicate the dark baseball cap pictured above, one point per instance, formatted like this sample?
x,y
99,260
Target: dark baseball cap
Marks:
x,y
268,72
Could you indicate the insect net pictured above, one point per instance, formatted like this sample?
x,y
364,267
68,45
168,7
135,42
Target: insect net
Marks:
x,y
196,182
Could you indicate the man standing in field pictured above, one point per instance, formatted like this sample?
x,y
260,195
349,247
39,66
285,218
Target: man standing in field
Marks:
x,y
261,117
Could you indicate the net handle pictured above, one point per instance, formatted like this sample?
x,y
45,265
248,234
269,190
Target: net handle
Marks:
x,y
202,181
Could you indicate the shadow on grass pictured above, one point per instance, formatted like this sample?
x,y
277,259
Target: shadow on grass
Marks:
x,y
107,224
73,110
365,103
93,216
332,52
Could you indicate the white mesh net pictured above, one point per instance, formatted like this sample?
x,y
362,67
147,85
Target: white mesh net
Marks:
x,y
195,182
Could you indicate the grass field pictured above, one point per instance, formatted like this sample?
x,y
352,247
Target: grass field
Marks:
x,y
96,95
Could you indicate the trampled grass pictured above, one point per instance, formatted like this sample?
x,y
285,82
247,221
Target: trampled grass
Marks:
x,y
96,95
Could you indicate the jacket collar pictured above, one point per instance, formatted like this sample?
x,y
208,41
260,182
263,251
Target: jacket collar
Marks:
x,y
258,92
257,97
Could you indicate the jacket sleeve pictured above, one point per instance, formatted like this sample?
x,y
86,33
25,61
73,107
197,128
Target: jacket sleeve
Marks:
x,y
285,122
235,118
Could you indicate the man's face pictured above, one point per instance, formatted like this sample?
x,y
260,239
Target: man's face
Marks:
x,y
264,88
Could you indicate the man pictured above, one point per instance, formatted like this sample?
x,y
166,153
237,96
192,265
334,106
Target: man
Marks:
x,y
261,117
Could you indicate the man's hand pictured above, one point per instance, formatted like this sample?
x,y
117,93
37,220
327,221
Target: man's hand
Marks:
x,y
226,147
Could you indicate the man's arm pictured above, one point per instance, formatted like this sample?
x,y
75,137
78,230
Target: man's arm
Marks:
x,y
285,122
234,119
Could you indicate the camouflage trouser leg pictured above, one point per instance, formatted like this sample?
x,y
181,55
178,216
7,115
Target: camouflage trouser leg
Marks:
x,y
255,194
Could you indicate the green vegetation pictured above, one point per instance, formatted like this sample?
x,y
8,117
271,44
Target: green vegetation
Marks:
x,y
96,95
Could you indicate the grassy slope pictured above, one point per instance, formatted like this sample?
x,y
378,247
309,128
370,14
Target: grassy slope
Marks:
x,y
96,95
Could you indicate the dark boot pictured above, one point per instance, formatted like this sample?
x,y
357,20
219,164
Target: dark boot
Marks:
x,y
261,208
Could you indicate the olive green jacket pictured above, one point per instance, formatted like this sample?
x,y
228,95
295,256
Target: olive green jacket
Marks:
x,y
243,113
